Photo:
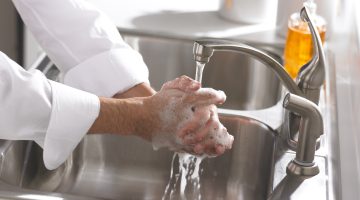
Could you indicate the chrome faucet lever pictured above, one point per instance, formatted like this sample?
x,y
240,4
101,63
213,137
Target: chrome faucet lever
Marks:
x,y
309,80
312,75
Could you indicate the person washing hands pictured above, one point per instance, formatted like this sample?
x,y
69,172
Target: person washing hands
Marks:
x,y
105,90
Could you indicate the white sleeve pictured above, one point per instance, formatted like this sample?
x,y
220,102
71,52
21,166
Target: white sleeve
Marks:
x,y
52,114
84,43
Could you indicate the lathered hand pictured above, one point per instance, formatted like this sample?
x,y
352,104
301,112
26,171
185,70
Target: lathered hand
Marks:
x,y
181,116
187,118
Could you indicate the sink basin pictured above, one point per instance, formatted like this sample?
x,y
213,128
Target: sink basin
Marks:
x,y
119,167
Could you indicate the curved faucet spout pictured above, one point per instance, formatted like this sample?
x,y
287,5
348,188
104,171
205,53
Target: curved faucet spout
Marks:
x,y
203,50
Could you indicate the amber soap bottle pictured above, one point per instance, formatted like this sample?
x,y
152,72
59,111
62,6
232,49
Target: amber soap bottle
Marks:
x,y
298,46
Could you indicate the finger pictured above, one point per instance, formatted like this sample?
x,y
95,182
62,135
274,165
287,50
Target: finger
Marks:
x,y
205,96
188,128
231,141
209,146
195,121
194,86
203,114
210,149
189,85
224,138
168,84
220,149
189,139
210,125
171,84
199,149
183,83
201,133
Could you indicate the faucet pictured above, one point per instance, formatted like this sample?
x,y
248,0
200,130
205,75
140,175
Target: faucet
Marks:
x,y
307,86
311,127
310,77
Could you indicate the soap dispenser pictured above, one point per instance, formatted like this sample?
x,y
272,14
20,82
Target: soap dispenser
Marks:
x,y
298,46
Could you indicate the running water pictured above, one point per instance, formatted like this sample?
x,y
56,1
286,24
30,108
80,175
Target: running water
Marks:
x,y
199,71
184,182
185,168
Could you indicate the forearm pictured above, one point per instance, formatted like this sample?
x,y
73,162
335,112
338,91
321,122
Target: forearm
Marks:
x,y
125,117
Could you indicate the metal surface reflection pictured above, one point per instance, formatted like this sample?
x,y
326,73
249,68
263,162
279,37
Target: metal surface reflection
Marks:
x,y
114,167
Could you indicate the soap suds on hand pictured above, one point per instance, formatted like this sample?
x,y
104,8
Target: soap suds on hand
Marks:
x,y
176,120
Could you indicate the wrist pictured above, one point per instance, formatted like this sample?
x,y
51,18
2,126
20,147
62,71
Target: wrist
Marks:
x,y
133,116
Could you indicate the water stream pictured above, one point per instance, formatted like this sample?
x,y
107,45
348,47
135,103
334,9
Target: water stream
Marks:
x,y
184,182
199,71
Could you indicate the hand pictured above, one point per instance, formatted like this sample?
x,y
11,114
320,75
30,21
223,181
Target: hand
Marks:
x,y
187,118
181,116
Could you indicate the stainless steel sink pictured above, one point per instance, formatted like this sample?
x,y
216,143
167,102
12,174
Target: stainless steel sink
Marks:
x,y
115,167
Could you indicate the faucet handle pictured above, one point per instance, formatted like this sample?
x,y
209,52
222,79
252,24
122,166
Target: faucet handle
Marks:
x,y
311,76
311,127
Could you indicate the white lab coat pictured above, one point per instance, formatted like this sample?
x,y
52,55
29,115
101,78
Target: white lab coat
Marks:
x,y
92,57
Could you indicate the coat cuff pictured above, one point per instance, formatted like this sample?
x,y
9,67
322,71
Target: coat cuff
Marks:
x,y
73,112
109,73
